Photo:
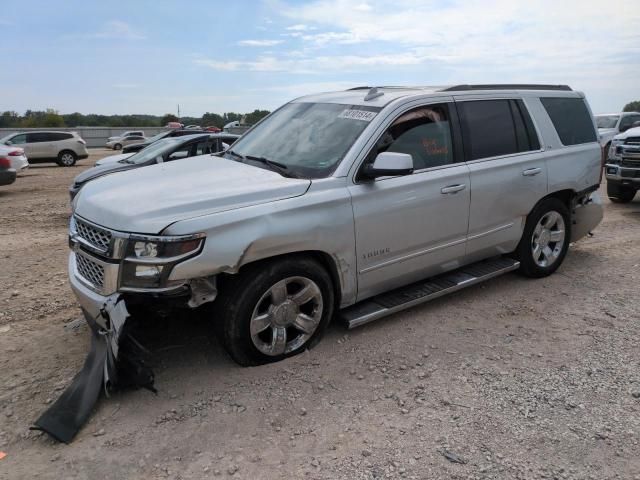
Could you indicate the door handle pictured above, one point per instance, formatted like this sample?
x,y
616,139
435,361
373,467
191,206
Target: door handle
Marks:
x,y
452,189
530,172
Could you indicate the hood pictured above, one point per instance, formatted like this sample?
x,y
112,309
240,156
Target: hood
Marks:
x,y
100,170
147,200
112,159
632,132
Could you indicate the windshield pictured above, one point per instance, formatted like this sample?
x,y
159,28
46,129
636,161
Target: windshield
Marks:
x,y
309,139
607,121
157,149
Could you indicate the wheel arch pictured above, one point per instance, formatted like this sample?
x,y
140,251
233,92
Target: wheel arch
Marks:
x,y
323,258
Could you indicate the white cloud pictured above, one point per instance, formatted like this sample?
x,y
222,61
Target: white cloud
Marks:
x,y
259,43
312,65
118,30
300,27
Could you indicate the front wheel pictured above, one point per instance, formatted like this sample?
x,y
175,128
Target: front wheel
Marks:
x,y
545,239
274,309
117,146
620,193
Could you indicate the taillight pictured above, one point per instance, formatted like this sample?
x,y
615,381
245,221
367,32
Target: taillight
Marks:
x,y
5,162
16,153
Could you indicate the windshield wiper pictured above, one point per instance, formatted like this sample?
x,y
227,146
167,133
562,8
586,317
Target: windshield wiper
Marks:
x,y
234,154
281,168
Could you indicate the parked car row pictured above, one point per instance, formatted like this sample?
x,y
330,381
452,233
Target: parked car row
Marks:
x,y
167,149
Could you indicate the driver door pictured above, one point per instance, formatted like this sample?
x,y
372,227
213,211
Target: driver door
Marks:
x,y
413,226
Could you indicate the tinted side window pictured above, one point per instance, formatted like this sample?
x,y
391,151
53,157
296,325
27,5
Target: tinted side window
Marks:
x,y
424,133
53,137
38,137
488,128
19,139
526,135
571,119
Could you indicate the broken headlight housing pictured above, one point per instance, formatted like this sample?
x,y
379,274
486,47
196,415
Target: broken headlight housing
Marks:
x,y
149,260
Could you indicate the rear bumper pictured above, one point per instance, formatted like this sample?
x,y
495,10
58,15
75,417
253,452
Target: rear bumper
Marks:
x,y
7,177
586,217
83,155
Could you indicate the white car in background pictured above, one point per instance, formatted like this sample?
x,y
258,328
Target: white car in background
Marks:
x,y
128,138
629,137
611,124
16,156
63,148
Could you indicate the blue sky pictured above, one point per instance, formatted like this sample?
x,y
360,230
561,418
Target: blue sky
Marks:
x,y
148,56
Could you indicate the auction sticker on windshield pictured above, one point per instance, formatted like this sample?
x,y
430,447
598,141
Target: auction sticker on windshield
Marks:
x,y
358,115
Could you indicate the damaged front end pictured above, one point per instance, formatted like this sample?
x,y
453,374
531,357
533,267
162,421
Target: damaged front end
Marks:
x,y
111,273
116,358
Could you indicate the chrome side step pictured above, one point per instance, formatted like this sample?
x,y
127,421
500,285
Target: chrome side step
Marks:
x,y
425,290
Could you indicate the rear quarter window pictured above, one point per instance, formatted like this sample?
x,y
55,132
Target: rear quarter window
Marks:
x,y
571,119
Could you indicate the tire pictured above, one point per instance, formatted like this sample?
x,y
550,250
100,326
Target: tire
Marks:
x,y
545,239
67,158
620,193
257,315
117,146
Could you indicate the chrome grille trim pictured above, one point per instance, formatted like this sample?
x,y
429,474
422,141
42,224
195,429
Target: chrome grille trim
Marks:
x,y
99,238
90,271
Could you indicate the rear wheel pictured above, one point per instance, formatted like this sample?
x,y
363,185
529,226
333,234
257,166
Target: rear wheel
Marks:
x,y
67,158
274,310
545,239
620,193
117,146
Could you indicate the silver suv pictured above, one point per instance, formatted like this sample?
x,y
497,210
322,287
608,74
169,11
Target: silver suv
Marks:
x,y
64,148
353,205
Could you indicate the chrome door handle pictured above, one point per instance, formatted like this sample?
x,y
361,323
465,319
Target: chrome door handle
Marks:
x,y
452,189
530,172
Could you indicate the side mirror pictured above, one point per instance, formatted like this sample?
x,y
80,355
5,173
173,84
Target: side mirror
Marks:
x,y
389,164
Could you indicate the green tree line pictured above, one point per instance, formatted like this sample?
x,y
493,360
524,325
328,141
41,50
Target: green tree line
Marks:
x,y
52,118
632,106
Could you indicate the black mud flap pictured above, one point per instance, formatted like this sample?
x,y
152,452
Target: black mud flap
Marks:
x,y
115,360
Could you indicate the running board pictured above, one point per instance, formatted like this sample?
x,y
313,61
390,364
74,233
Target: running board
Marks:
x,y
425,290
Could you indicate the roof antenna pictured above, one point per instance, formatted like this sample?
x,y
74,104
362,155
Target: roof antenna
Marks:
x,y
373,93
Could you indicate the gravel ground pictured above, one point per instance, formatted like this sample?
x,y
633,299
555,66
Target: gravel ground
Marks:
x,y
512,379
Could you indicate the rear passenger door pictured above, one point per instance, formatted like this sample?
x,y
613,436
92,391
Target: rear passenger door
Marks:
x,y
507,169
38,145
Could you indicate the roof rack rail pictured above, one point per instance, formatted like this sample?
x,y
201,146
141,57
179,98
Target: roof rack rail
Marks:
x,y
358,88
508,86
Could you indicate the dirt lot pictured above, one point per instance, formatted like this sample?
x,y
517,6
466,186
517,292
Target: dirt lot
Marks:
x,y
511,379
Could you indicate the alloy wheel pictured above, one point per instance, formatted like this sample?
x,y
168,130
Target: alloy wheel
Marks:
x,y
286,316
548,239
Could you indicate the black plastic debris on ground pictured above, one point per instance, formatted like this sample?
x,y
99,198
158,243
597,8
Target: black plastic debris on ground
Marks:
x,y
116,360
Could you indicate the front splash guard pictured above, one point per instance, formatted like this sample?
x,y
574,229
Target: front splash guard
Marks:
x,y
116,359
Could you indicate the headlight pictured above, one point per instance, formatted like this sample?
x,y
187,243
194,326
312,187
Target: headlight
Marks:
x,y
149,260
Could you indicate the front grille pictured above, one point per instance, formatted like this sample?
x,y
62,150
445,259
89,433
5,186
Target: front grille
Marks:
x,y
632,140
90,271
627,162
629,173
96,236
